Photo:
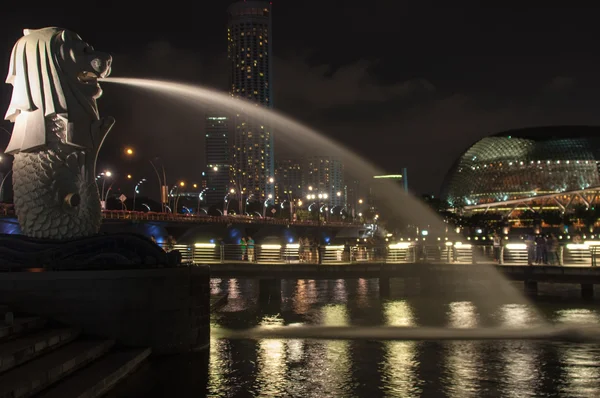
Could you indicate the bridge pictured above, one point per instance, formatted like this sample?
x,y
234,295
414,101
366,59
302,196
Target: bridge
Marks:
x,y
189,228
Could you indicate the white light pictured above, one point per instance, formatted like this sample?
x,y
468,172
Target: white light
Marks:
x,y
516,246
400,245
448,243
206,245
293,246
108,173
271,247
340,247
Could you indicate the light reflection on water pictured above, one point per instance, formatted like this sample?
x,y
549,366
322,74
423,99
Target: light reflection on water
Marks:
x,y
307,368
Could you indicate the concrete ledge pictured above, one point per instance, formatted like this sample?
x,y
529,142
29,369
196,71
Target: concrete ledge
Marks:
x,y
166,309
553,274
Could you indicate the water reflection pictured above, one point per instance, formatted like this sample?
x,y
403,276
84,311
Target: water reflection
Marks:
x,y
270,378
304,296
462,314
463,359
312,368
517,316
581,364
400,362
580,316
336,362
522,369
362,293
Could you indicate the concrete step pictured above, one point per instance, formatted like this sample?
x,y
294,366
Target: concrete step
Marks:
x,y
99,377
19,326
22,349
36,375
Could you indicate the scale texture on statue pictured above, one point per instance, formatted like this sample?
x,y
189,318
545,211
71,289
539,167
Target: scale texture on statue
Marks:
x,y
57,133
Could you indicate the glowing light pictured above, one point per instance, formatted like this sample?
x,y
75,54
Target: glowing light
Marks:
x,y
195,185
271,247
516,246
206,245
107,173
129,177
181,184
400,245
129,151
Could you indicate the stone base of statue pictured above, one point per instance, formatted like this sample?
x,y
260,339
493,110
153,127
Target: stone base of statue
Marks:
x,y
95,252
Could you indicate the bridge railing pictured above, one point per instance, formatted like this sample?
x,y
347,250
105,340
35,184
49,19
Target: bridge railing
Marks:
x,y
203,218
293,253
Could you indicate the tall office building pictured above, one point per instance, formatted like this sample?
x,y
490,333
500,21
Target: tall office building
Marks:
x,y
249,52
288,179
217,159
325,174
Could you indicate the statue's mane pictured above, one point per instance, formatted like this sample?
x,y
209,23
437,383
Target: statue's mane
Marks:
x,y
43,89
35,74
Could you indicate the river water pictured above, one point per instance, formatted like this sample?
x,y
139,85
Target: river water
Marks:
x,y
299,368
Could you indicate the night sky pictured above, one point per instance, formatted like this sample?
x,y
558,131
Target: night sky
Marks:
x,y
402,85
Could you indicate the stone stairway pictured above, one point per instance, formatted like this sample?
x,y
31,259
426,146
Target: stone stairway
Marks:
x,y
40,359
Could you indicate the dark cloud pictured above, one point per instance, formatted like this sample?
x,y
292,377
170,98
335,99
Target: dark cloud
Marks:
x,y
560,83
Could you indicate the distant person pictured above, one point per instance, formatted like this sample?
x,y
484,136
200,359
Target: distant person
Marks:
x,y
497,247
243,247
530,244
541,256
553,247
250,244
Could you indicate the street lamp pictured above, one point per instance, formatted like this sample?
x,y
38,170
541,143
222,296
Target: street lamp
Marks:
x,y
226,200
266,205
129,151
136,191
104,175
176,199
200,197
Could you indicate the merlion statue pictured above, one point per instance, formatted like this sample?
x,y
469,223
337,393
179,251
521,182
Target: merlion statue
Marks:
x,y
57,133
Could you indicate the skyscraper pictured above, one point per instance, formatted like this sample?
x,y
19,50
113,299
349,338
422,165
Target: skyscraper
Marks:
x,y
217,158
326,175
249,54
288,179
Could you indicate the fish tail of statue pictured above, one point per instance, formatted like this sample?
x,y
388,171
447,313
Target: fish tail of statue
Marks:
x,y
55,195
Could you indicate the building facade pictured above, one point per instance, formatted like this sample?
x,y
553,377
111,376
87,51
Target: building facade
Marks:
x,y
325,174
218,159
525,163
249,45
288,179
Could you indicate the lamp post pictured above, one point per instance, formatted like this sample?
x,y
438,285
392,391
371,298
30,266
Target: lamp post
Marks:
x,y
104,175
176,200
200,198
225,201
266,204
162,184
247,203
136,191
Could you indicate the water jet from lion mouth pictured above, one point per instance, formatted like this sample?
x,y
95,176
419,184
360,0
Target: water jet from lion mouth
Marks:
x,y
299,137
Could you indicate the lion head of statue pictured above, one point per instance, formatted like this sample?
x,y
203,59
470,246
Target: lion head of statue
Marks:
x,y
55,75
